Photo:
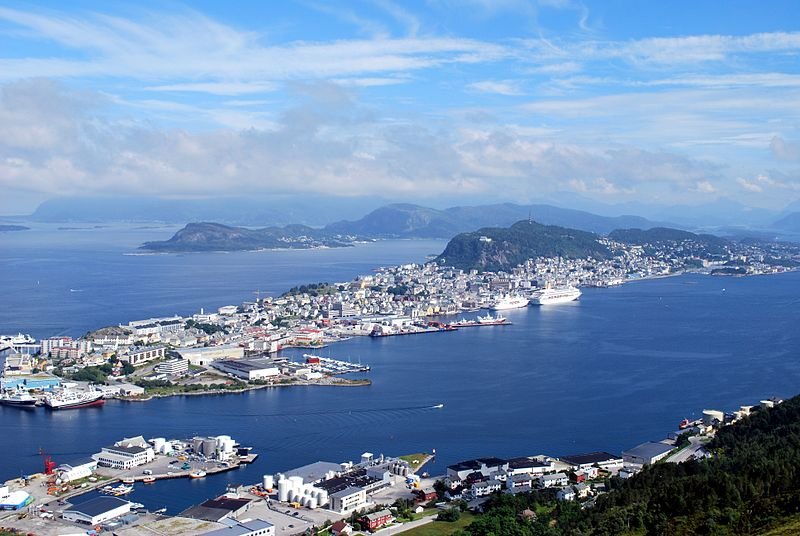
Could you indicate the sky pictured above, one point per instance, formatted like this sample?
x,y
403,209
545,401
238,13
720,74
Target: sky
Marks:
x,y
436,101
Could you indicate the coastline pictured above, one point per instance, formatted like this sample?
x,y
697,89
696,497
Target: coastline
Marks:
x,y
346,383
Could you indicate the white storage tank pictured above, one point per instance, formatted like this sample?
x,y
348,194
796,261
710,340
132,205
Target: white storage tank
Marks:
x,y
322,499
283,490
312,503
268,482
711,415
222,439
209,446
297,481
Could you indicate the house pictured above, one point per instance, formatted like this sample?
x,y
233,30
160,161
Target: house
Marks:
x,y
482,489
519,481
97,510
341,527
647,453
554,480
426,494
566,494
376,520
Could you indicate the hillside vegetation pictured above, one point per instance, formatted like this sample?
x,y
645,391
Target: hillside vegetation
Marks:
x,y
749,486
496,249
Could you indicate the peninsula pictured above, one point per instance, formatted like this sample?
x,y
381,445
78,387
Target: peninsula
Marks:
x,y
6,227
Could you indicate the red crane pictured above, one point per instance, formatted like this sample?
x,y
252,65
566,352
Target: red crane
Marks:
x,y
49,464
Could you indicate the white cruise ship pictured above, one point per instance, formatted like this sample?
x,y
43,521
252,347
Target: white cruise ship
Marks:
x,y
72,398
509,302
555,295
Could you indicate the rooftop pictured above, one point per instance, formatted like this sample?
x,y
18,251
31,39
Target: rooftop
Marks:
x,y
97,506
648,450
589,458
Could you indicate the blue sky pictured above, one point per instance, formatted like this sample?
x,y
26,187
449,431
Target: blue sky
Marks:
x,y
440,101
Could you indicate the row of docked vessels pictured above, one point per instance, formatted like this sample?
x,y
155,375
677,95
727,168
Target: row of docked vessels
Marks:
x,y
59,399
546,296
487,320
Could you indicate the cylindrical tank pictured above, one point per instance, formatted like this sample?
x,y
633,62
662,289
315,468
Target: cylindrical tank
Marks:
x,y
323,498
197,445
221,439
158,443
312,503
279,477
283,490
711,415
209,446
268,482
297,481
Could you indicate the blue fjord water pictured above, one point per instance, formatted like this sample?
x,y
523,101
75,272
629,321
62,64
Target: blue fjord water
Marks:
x,y
619,367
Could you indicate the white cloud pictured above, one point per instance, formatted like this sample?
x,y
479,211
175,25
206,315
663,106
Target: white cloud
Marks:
x,y
501,87
785,150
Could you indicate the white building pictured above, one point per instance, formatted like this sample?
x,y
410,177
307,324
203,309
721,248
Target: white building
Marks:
x,y
69,473
97,510
348,499
138,355
207,355
556,479
124,457
246,369
173,366
252,527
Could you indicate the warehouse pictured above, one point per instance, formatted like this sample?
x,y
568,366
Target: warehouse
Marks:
x,y
647,453
97,510
249,370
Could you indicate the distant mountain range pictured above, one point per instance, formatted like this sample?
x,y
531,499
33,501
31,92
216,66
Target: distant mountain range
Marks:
x,y
414,221
789,224
4,227
390,221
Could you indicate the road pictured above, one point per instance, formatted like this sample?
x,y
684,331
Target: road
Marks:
x,y
695,449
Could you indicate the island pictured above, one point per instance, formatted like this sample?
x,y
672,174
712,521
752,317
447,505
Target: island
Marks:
x,y
8,227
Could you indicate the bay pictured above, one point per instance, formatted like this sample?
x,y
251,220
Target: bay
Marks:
x,y
616,368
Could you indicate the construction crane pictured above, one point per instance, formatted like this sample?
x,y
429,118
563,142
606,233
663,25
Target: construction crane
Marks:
x,y
49,464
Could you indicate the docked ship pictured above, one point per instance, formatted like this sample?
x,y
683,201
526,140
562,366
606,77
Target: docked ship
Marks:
x,y
550,296
490,320
19,399
509,302
73,399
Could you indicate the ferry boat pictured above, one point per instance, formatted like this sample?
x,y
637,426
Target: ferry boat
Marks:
x,y
18,399
509,302
73,399
550,296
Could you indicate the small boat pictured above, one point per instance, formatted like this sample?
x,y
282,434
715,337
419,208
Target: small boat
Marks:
x,y
149,479
684,424
128,481
197,473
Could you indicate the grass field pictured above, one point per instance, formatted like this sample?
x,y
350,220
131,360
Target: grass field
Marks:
x,y
442,528
415,460
790,528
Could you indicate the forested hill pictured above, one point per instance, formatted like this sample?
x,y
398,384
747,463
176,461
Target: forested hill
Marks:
x,y
667,237
494,248
750,485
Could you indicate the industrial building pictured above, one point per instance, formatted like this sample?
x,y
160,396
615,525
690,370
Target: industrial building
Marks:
x,y
76,470
485,466
252,527
121,456
218,509
13,500
647,453
249,370
97,510
602,460
207,355
138,355
348,499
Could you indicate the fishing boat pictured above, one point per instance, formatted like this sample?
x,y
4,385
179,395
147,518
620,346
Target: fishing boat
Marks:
x,y
197,473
